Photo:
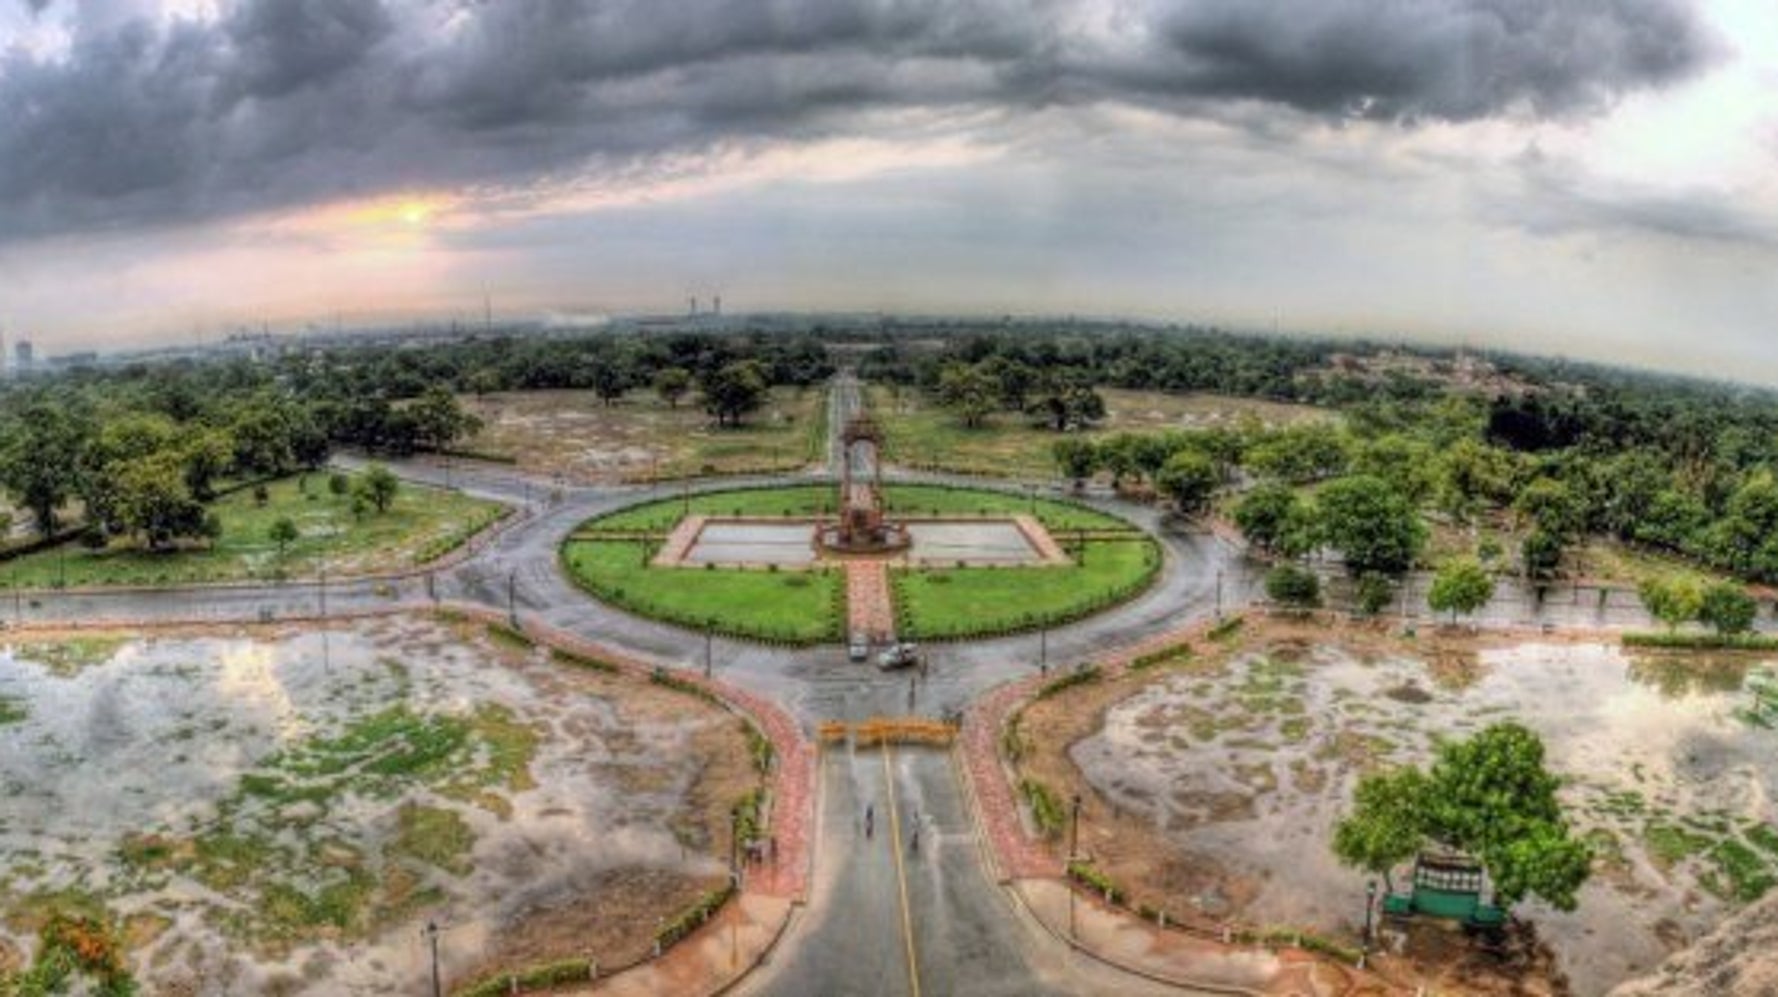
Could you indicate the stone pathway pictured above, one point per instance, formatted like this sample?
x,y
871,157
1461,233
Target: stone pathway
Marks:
x,y
870,605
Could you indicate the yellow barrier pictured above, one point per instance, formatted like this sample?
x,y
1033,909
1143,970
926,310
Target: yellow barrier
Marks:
x,y
889,730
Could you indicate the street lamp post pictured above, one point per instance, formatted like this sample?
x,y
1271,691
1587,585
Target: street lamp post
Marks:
x,y
1219,594
432,938
512,598
709,647
1074,832
1370,904
1073,854
1043,650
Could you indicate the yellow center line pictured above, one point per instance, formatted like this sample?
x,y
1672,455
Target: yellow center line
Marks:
x,y
901,878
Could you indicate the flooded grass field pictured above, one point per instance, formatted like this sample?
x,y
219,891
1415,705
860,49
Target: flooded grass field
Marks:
x,y
280,812
1244,768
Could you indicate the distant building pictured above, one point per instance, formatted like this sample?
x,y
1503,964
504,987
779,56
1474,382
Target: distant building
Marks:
x,y
23,355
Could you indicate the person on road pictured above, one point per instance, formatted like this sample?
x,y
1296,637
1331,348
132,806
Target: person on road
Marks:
x,y
914,840
870,818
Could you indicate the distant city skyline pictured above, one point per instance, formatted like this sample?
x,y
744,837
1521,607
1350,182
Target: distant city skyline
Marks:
x,y
1597,180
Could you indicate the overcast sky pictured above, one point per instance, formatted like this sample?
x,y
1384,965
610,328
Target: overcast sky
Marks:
x,y
1587,177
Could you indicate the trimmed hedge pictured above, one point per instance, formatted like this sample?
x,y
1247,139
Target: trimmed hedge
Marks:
x,y
1046,809
1083,676
544,976
1227,628
1702,642
578,660
694,917
759,747
1085,874
1179,652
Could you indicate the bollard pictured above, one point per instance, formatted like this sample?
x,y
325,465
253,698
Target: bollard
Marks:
x,y
1163,920
512,985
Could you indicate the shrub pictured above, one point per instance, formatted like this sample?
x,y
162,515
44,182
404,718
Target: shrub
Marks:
x,y
1293,585
1046,809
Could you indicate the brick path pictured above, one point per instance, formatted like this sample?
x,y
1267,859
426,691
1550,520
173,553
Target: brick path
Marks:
x,y
870,606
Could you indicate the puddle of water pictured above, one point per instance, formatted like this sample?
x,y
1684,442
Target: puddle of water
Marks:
x,y
127,779
792,543
1250,769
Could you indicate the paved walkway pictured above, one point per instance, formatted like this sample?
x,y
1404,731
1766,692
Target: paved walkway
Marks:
x,y
711,960
870,605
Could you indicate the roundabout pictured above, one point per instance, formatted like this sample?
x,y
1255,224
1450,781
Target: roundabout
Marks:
x,y
855,558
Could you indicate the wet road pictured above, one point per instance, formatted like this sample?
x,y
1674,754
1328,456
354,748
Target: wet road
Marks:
x,y
889,915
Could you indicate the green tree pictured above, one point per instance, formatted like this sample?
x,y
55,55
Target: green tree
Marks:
x,y
439,419
283,532
153,501
1489,797
377,487
1492,797
41,461
1727,608
1373,592
1190,480
1387,825
207,454
1460,586
1674,601
1541,552
1370,524
968,391
1065,400
734,391
1551,505
1266,513
1293,585
1076,457
672,384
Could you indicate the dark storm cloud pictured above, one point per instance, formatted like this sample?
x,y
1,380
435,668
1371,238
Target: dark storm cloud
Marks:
x,y
1453,60
279,102
1553,197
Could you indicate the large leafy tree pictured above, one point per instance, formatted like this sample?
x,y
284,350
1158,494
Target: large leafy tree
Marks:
x,y
1490,797
1189,478
1076,457
41,460
1266,514
970,392
1373,526
734,391
154,503
671,384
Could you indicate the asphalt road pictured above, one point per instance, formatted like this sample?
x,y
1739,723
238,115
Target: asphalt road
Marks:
x,y
958,933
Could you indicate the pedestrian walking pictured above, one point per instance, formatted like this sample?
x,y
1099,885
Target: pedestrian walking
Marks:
x,y
870,815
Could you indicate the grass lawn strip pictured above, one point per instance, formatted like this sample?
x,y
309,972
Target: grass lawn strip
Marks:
x,y
790,606
421,525
962,602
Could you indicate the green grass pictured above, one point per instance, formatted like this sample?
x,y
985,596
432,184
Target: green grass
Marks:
x,y
966,602
12,711
422,525
808,500
791,606
434,836
922,434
